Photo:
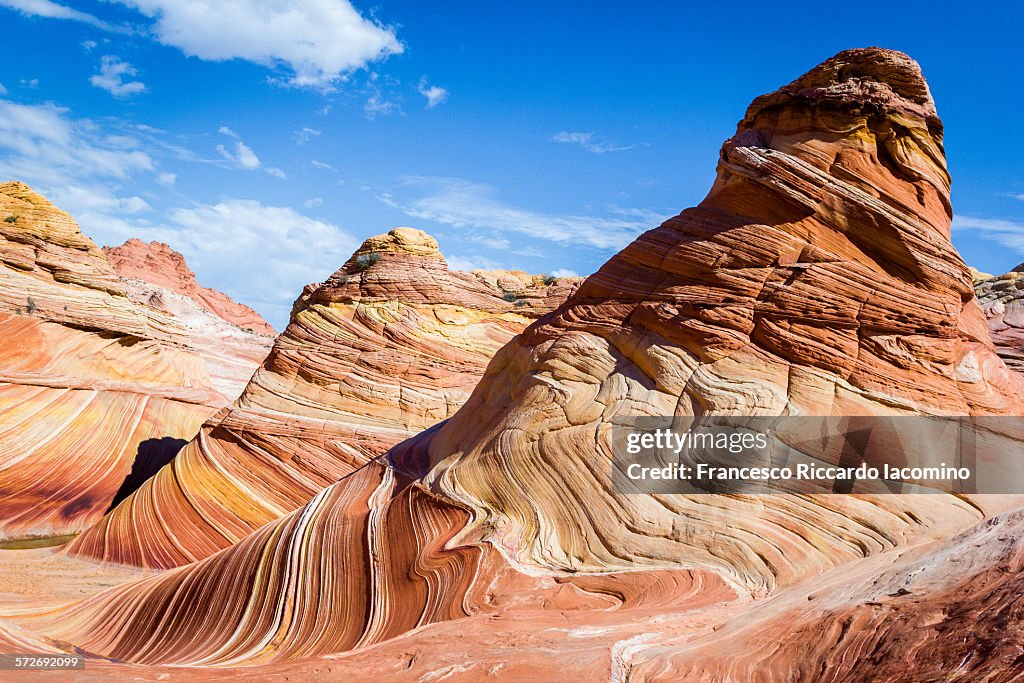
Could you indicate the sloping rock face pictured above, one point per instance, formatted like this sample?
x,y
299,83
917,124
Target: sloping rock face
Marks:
x,y
94,388
231,338
816,278
158,264
1002,300
390,345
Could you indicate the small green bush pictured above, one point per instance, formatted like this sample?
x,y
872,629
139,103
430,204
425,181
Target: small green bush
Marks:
x,y
30,305
549,279
11,219
510,296
364,261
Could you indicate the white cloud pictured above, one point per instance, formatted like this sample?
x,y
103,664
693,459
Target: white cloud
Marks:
x,y
53,10
565,272
112,77
435,94
45,142
467,263
227,245
377,105
323,166
316,41
313,203
3,90
166,178
88,45
242,156
85,169
303,136
276,172
1010,234
588,142
30,83
467,205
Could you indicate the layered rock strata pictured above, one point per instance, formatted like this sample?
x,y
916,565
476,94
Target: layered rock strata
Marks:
x,y
817,278
390,345
93,386
1002,300
230,338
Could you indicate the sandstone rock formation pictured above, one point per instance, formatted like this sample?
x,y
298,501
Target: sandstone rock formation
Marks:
x,y
158,264
231,338
390,345
93,387
816,278
1002,300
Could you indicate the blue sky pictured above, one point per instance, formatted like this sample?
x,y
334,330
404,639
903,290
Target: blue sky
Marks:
x,y
265,139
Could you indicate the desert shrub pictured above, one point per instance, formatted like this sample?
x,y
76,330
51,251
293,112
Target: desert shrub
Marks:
x,y
364,261
30,305
549,279
510,296
11,219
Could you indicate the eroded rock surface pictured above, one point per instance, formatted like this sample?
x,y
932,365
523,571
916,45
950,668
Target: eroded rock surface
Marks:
x,y
816,278
390,345
94,388
231,338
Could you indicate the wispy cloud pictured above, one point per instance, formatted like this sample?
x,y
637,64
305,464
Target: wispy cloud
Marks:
x,y
229,237
242,156
1008,233
84,167
589,142
52,10
377,105
467,205
435,94
113,77
304,135
323,165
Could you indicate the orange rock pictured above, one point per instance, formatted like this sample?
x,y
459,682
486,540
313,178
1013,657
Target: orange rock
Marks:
x,y
230,338
95,391
817,278
390,345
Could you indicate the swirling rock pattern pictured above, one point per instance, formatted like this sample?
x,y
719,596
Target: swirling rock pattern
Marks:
x,y
231,339
92,384
391,344
816,278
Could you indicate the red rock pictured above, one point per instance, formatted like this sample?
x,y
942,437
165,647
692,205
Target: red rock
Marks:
x,y
231,338
93,387
390,345
158,264
816,278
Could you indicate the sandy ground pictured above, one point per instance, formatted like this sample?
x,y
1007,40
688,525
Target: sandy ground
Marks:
x,y
44,576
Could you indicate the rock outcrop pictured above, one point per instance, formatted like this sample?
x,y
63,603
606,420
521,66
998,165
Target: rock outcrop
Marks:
x,y
390,345
231,338
158,264
1002,300
817,278
95,389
